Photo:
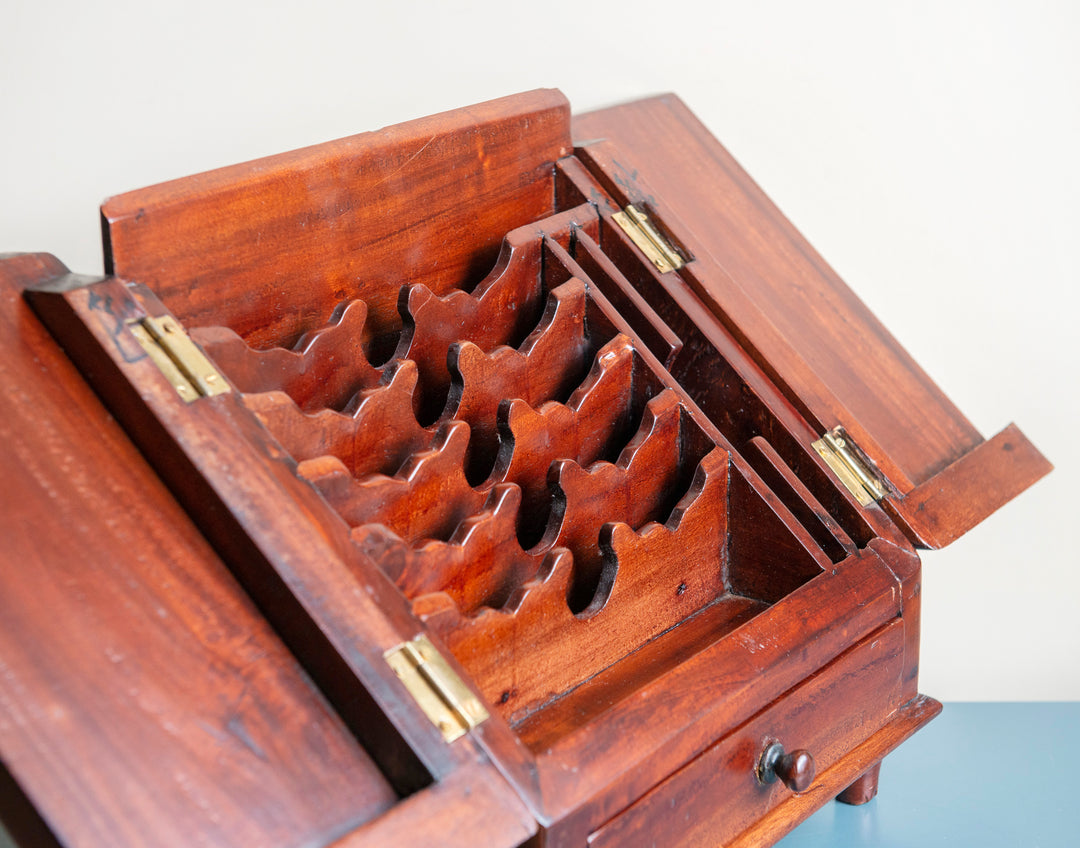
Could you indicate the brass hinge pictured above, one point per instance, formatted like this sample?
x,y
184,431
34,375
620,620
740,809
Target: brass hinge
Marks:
x,y
843,457
440,693
177,357
647,237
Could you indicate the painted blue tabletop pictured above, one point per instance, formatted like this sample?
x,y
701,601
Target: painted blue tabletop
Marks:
x,y
984,775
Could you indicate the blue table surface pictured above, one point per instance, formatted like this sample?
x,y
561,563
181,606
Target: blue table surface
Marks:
x,y
985,775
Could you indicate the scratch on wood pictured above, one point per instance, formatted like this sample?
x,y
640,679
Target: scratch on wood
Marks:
x,y
405,164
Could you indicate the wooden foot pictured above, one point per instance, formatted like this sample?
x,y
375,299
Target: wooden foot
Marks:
x,y
862,790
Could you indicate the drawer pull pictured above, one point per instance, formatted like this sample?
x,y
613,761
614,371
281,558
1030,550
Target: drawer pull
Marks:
x,y
795,770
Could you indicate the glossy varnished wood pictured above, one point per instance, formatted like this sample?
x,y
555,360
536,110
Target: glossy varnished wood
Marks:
x,y
911,716
863,790
146,699
427,498
469,808
592,424
549,365
518,653
838,708
816,340
502,310
623,615
374,433
750,665
325,368
362,216
465,405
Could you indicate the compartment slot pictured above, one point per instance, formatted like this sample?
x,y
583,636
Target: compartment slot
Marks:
x,y
766,560
596,419
706,368
427,498
374,434
712,366
325,368
517,654
559,719
650,327
551,362
797,498
481,565
650,476
502,310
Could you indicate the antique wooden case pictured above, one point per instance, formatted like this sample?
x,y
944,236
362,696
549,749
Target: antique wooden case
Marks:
x,y
576,496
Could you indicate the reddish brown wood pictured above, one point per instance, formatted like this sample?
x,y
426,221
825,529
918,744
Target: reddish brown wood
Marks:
x,y
911,716
325,368
748,665
517,654
651,472
652,329
424,202
611,774
481,565
733,391
704,586
502,310
427,498
272,517
863,790
130,655
956,499
787,308
594,701
374,434
776,561
826,531
549,365
840,707
592,424
471,807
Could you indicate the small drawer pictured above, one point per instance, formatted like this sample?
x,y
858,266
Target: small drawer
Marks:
x,y
718,795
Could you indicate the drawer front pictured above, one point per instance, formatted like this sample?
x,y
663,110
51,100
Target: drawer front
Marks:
x,y
718,795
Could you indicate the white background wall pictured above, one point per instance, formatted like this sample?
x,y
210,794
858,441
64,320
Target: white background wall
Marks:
x,y
928,150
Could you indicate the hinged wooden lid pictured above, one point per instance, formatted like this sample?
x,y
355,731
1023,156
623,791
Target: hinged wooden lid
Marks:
x,y
820,344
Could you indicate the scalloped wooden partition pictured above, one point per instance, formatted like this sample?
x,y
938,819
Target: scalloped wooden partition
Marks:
x,y
522,467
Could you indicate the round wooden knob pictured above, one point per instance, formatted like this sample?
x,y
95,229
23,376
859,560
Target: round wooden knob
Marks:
x,y
795,770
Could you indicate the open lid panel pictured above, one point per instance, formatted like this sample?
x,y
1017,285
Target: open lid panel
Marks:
x,y
820,345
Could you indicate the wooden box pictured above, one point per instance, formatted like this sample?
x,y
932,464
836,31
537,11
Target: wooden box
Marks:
x,y
491,479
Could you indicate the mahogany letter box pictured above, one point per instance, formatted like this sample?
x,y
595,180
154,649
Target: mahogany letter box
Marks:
x,y
495,478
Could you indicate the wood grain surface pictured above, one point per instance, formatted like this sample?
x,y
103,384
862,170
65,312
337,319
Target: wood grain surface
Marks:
x,y
269,248
465,404
816,340
144,699
841,706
